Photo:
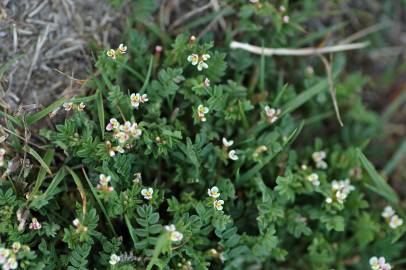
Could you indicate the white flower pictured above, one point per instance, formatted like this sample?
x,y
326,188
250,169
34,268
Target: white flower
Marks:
x,y
104,183
206,82
318,158
282,8
195,59
218,204
113,124
329,200
379,264
68,106
388,212
395,221
135,100
144,98
122,49
4,253
35,225
11,263
227,143
272,114
135,131
112,54
112,150
232,155
176,236
114,259
201,111
341,189
170,228
16,247
137,178
285,19
81,106
76,222
2,152
147,193
213,192
314,179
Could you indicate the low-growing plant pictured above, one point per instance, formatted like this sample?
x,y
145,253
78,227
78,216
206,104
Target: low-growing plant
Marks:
x,y
174,161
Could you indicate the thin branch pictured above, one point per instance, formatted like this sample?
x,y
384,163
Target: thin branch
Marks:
x,y
189,15
331,88
364,32
297,52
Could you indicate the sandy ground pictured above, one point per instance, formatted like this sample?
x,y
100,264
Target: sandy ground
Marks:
x,y
49,35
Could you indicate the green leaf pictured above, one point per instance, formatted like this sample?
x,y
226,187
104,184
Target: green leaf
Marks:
x,y
100,111
379,185
43,163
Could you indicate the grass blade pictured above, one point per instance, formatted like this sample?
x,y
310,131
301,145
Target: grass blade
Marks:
x,y
49,155
303,97
33,118
378,184
79,185
7,65
148,77
41,161
100,111
130,229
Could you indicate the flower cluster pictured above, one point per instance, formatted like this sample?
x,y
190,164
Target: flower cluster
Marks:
x,y
174,235
314,179
379,264
272,114
69,106
104,183
340,189
120,50
200,61
137,99
231,154
2,154
318,158
147,193
122,133
35,224
8,257
214,193
391,218
201,111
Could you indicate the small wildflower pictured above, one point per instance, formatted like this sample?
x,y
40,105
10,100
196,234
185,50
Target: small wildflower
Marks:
x,y
174,234
303,167
122,49
272,114
379,264
68,106
206,82
16,247
81,106
113,124
76,222
11,263
329,200
135,100
112,150
318,158
137,178
114,259
147,193
341,189
158,49
218,204
135,131
192,39
227,143
285,19
395,221
388,212
35,225
4,253
213,192
104,183
200,61
112,54
314,179
232,155
201,111
282,8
